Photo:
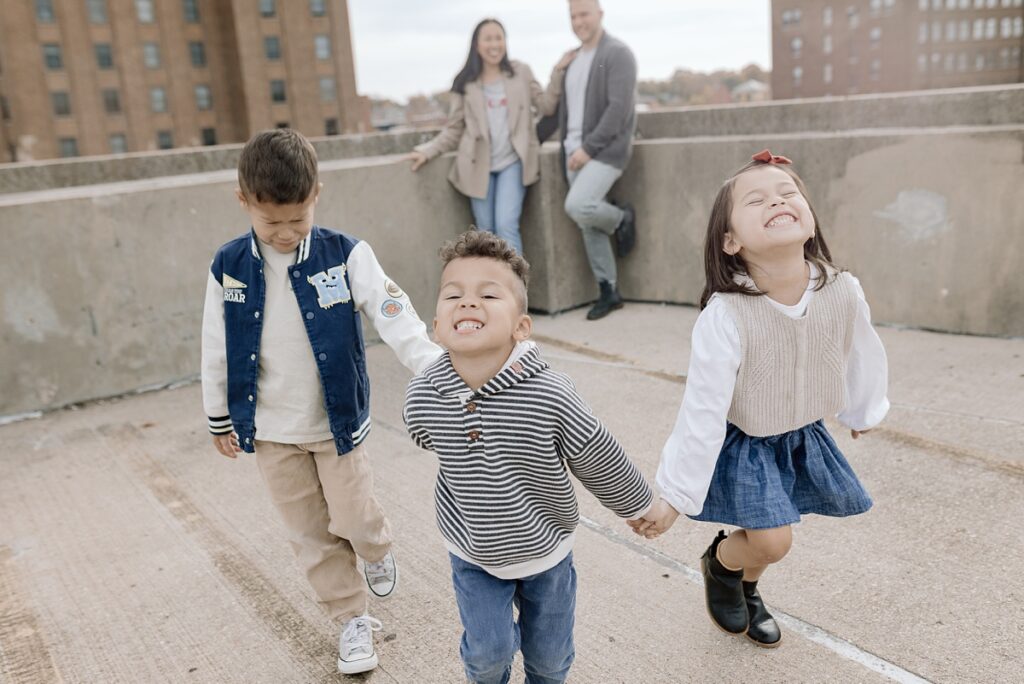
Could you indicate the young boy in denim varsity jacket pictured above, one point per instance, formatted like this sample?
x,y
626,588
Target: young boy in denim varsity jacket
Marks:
x,y
284,376
507,431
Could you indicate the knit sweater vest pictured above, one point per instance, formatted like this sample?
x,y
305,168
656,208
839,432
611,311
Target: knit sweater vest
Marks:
x,y
793,370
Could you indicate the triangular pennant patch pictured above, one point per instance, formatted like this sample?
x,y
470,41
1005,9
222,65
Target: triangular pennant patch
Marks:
x,y
231,283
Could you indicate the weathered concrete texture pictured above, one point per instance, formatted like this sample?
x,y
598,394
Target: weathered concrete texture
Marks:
x,y
131,552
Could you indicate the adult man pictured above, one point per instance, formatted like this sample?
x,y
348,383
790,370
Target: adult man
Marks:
x,y
597,118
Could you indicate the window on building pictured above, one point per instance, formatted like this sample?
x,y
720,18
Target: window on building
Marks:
x,y
204,98
922,33
798,76
936,5
267,8
61,103
97,10
1005,27
965,30
209,136
951,4
272,47
118,143
191,9
104,56
875,69
853,16
151,55
164,140
826,16
961,62
922,5
1018,27
965,4
979,29
950,62
197,53
936,31
111,101
277,93
331,127
327,91
144,10
68,147
979,62
5,109
317,8
990,28
158,100
790,17
322,45
992,4
875,35
1004,58
978,4
826,44
876,5
51,57
922,63
796,45
950,31
44,11
826,74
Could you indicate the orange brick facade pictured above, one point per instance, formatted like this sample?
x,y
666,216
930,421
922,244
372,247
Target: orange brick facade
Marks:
x,y
87,77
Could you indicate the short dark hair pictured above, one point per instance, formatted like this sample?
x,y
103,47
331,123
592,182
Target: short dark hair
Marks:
x,y
721,268
278,166
480,243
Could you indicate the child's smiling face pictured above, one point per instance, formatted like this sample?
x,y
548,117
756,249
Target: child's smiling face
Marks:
x,y
480,308
768,212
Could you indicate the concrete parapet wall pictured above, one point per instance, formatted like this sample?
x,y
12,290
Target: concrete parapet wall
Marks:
x,y
103,284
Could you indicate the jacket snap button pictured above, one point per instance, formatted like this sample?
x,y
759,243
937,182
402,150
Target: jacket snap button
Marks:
x,y
471,407
322,357
295,274
474,436
257,314
250,397
309,315
252,357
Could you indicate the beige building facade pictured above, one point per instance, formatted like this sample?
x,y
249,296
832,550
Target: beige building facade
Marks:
x,y
822,48
89,77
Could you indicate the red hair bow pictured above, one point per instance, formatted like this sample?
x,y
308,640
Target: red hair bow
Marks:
x,y
768,158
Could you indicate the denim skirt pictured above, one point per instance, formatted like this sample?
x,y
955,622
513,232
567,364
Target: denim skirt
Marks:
x,y
764,482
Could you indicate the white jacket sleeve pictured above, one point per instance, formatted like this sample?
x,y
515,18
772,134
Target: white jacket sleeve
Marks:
x,y
691,452
214,364
867,373
389,309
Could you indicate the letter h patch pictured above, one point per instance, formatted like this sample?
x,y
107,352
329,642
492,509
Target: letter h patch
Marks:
x,y
331,287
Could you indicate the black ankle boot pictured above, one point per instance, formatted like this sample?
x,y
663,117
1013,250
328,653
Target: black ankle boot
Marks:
x,y
763,630
625,235
723,591
609,301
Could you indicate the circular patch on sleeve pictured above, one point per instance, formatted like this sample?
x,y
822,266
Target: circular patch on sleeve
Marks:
x,y
390,308
392,289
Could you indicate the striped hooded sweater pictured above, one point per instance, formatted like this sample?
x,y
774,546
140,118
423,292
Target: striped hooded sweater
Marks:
x,y
503,496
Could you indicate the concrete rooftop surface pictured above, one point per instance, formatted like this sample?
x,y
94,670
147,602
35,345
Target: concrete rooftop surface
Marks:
x,y
130,551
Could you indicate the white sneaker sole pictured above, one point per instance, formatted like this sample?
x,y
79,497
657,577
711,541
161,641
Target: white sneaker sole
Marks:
x,y
357,666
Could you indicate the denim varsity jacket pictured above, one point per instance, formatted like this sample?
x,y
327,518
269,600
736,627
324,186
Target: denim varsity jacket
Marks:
x,y
334,277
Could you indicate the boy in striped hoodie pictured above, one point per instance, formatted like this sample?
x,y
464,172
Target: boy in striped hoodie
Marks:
x,y
507,431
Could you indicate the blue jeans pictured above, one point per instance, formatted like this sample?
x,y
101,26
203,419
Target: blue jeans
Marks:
x,y
499,212
547,613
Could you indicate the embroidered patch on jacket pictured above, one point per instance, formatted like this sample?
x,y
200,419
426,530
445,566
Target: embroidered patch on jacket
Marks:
x,y
331,287
390,308
392,288
233,289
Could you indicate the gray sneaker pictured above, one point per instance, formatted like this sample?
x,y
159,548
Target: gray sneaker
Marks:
x,y
355,646
382,576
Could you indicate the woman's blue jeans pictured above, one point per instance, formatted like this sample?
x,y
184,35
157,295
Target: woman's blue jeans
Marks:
x,y
499,212
547,614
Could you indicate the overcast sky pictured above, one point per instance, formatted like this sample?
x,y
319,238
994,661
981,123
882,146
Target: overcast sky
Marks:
x,y
405,47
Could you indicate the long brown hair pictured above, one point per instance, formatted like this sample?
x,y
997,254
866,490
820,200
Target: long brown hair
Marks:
x,y
721,268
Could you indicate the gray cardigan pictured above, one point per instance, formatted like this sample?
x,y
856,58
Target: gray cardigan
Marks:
x,y
609,110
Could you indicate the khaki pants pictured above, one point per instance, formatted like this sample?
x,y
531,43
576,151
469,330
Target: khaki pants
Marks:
x,y
326,501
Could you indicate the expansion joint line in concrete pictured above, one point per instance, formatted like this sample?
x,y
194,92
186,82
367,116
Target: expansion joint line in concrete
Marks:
x,y
841,647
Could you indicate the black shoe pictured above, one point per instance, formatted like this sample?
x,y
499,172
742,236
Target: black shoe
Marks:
x,y
723,591
763,630
609,301
625,234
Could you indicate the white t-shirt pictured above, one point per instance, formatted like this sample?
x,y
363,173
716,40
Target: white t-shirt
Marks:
x,y
576,79
502,154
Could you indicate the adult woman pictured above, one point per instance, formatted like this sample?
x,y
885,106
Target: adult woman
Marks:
x,y
491,123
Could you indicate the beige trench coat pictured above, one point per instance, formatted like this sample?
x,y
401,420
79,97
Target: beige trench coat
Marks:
x,y
467,130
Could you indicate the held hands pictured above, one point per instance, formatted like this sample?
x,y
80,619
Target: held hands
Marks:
x,y
658,520
566,60
578,160
227,445
418,159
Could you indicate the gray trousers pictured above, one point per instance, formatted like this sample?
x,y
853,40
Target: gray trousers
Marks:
x,y
586,205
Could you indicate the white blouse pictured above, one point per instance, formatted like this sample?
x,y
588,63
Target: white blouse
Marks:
x,y
691,452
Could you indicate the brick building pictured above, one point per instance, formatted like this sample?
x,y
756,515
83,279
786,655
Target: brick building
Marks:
x,y
868,46
84,77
